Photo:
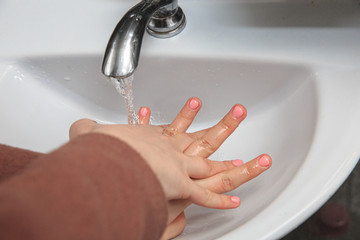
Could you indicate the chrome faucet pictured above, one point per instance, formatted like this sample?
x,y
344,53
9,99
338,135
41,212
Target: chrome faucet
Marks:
x,y
161,18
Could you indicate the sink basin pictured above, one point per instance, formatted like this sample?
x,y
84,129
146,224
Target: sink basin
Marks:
x,y
301,96
283,116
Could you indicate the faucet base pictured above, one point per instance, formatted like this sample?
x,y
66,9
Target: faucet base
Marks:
x,y
167,26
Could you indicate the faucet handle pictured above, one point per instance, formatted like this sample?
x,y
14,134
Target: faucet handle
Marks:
x,y
166,23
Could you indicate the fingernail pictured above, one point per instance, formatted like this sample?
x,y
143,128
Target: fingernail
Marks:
x,y
264,161
235,200
237,112
143,111
194,104
238,162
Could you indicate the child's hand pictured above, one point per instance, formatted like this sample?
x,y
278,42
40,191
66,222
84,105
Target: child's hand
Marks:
x,y
220,183
177,157
225,180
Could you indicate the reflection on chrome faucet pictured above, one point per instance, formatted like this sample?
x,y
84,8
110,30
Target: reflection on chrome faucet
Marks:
x,y
161,18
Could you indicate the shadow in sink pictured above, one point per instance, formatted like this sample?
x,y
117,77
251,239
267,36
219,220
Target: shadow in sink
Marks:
x,y
281,100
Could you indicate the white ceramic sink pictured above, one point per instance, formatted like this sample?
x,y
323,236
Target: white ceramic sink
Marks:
x,y
302,100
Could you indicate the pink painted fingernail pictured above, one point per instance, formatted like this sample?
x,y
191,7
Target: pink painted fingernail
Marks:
x,y
143,111
237,112
235,200
238,162
194,104
264,161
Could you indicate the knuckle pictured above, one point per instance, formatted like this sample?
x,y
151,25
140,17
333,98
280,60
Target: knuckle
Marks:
x,y
169,131
226,183
205,144
225,125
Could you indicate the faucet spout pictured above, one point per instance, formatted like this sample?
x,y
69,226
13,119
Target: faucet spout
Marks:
x,y
162,18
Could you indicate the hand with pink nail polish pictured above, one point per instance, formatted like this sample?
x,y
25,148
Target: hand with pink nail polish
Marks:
x,y
180,159
170,155
229,175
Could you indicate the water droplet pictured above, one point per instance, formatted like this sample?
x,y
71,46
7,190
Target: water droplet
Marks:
x,y
19,76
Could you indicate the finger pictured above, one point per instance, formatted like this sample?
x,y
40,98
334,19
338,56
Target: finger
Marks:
x,y
203,132
198,167
229,180
175,228
215,136
81,126
176,207
199,134
206,198
185,117
144,115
